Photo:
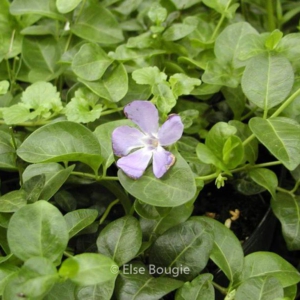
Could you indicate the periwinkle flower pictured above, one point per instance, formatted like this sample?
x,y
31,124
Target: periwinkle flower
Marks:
x,y
138,147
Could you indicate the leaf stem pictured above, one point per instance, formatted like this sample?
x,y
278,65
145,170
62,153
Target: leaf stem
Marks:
x,y
221,289
67,254
108,209
111,111
270,15
285,104
93,176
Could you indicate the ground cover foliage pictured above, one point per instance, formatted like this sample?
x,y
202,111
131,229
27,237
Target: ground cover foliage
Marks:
x,y
73,225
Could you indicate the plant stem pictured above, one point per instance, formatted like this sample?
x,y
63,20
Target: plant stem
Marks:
x,y
111,111
295,188
92,176
285,104
220,288
108,209
270,15
67,254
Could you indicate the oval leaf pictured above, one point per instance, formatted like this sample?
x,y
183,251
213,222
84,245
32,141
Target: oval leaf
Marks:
x,y
12,201
186,246
62,141
267,80
113,239
175,188
66,6
79,219
281,137
287,210
43,225
89,269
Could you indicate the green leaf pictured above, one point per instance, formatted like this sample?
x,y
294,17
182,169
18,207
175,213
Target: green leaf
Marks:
x,y
139,284
233,152
96,292
65,290
265,178
267,288
184,4
262,264
287,209
157,14
236,100
173,189
148,75
79,219
113,239
182,84
250,149
43,7
7,151
186,246
89,269
227,252
35,279
113,86
66,6
98,25
103,134
65,200
221,6
46,231
90,62
228,42
178,31
4,86
267,80
273,40
6,271
41,55
34,187
158,220
83,107
12,201
281,137
55,177
164,97
62,141
218,73
42,96
200,288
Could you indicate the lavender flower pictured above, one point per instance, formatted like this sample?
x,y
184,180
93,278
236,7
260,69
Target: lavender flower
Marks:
x,y
148,142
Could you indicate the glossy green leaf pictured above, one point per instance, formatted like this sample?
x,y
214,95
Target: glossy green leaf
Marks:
x,y
62,141
198,289
98,25
103,134
113,239
66,6
187,245
233,152
265,178
89,269
262,264
267,80
96,292
55,176
267,288
173,189
139,284
79,219
287,209
281,137
44,8
113,86
235,99
46,231
41,54
12,201
90,62
273,40
227,252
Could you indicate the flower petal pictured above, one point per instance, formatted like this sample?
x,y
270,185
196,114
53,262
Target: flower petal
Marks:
x,y
162,161
125,139
135,164
144,114
171,131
